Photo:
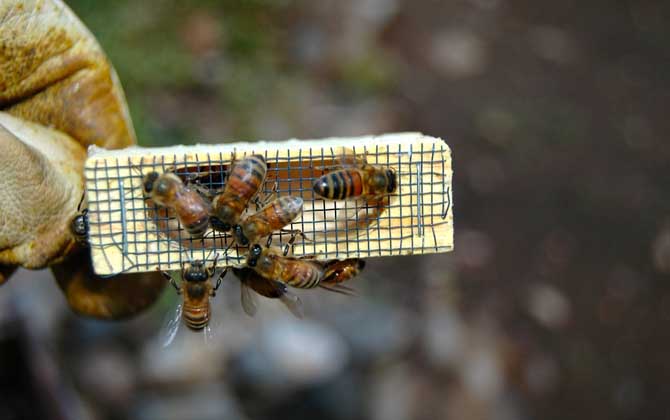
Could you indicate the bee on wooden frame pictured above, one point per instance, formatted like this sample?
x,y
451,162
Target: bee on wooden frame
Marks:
x,y
243,183
355,178
303,273
275,216
168,190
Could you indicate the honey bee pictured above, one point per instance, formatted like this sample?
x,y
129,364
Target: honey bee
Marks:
x,y
169,191
79,225
272,264
196,290
270,218
337,272
243,183
272,289
356,180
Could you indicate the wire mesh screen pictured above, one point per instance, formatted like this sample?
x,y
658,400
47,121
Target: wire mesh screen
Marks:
x,y
128,233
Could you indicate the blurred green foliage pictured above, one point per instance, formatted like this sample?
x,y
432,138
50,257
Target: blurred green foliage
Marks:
x,y
147,42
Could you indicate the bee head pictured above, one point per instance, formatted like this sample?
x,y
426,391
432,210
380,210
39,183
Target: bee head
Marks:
x,y
149,181
162,186
79,225
226,215
390,174
379,179
218,225
196,272
321,186
254,253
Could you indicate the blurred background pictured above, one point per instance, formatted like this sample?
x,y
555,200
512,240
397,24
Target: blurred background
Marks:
x,y
556,301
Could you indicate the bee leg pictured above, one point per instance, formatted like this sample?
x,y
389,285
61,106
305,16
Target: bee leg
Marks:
x,y
216,260
258,203
233,159
296,233
289,244
81,201
218,282
191,176
169,278
272,195
204,191
291,241
370,213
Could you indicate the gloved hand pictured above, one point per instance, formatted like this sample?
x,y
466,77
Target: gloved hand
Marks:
x,y
58,95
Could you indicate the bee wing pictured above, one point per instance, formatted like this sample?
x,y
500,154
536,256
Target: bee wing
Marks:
x,y
171,325
293,303
248,299
339,288
208,334
212,330
347,159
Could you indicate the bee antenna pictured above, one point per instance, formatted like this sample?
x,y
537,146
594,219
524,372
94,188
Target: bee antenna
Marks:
x,y
189,258
81,200
211,251
136,168
225,251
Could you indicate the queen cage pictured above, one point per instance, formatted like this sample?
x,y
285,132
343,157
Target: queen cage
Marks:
x,y
130,234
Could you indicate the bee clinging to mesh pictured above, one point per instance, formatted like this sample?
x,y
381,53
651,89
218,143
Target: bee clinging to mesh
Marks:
x,y
356,179
79,225
196,291
243,183
276,215
251,282
272,264
168,190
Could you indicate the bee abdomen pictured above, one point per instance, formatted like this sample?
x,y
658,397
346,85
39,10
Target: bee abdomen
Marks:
x,y
340,185
287,208
305,276
341,271
247,176
198,227
196,318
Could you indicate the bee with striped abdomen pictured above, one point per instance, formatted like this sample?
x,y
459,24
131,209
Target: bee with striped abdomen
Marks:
x,y
356,180
243,183
251,282
196,290
168,190
274,216
271,264
340,271
302,273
